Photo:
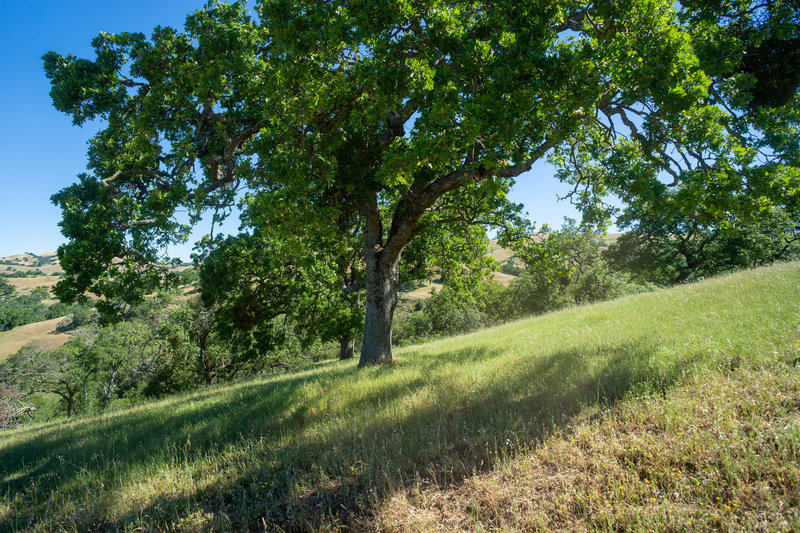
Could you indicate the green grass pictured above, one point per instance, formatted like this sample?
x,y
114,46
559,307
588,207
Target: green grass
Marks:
x,y
579,419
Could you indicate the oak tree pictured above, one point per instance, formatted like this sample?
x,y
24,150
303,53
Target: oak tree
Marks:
x,y
381,117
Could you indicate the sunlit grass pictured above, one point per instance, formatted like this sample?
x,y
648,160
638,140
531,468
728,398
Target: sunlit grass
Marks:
x,y
552,409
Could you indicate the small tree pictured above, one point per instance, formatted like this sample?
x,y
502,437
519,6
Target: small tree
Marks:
x,y
565,267
13,406
62,372
6,289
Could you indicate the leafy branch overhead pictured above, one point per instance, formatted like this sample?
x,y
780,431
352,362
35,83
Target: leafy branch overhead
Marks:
x,y
379,119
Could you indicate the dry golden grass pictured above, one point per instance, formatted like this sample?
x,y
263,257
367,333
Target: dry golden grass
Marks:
x,y
26,285
41,332
28,262
422,293
695,460
498,253
51,270
503,279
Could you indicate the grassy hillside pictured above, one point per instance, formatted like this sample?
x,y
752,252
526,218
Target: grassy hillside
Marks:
x,y
46,263
44,333
673,410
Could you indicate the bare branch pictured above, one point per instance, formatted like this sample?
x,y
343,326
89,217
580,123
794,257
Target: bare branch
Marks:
x,y
138,223
573,22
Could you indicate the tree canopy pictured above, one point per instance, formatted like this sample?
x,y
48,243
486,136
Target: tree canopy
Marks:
x,y
382,118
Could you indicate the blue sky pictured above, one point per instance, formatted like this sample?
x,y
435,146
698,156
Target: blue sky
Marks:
x,y
42,152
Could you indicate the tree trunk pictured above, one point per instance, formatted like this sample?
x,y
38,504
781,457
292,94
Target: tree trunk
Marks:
x,y
111,383
382,274
381,300
208,368
347,346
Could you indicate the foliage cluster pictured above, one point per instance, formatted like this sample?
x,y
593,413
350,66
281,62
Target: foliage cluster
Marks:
x,y
20,309
672,247
23,274
160,347
561,268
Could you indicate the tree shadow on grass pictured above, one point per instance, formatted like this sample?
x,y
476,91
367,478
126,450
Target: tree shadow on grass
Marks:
x,y
55,449
314,471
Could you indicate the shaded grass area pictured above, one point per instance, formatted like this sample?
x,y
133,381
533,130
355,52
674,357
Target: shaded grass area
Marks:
x,y
333,446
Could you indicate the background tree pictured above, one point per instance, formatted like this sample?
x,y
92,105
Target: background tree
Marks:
x,y
670,246
564,267
376,116
61,372
13,406
6,289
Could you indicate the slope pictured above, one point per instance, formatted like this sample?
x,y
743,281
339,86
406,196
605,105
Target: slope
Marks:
x,y
43,333
631,414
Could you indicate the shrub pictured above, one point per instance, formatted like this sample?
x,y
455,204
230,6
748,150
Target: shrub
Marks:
x,y
451,312
12,406
598,283
511,268
411,328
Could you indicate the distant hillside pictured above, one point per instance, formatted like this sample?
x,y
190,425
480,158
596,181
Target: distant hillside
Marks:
x,y
675,410
44,333
41,332
504,254
47,263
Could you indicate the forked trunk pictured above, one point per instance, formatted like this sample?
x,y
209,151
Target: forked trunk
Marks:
x,y
381,281
346,347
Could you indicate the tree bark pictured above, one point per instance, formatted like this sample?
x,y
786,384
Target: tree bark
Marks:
x,y
347,346
382,258
208,368
381,280
70,400
382,274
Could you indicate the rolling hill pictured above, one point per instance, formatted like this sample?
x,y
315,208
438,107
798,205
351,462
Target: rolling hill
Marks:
x,y
47,263
673,410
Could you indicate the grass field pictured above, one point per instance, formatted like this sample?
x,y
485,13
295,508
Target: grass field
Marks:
x,y
667,411
28,262
41,332
25,285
